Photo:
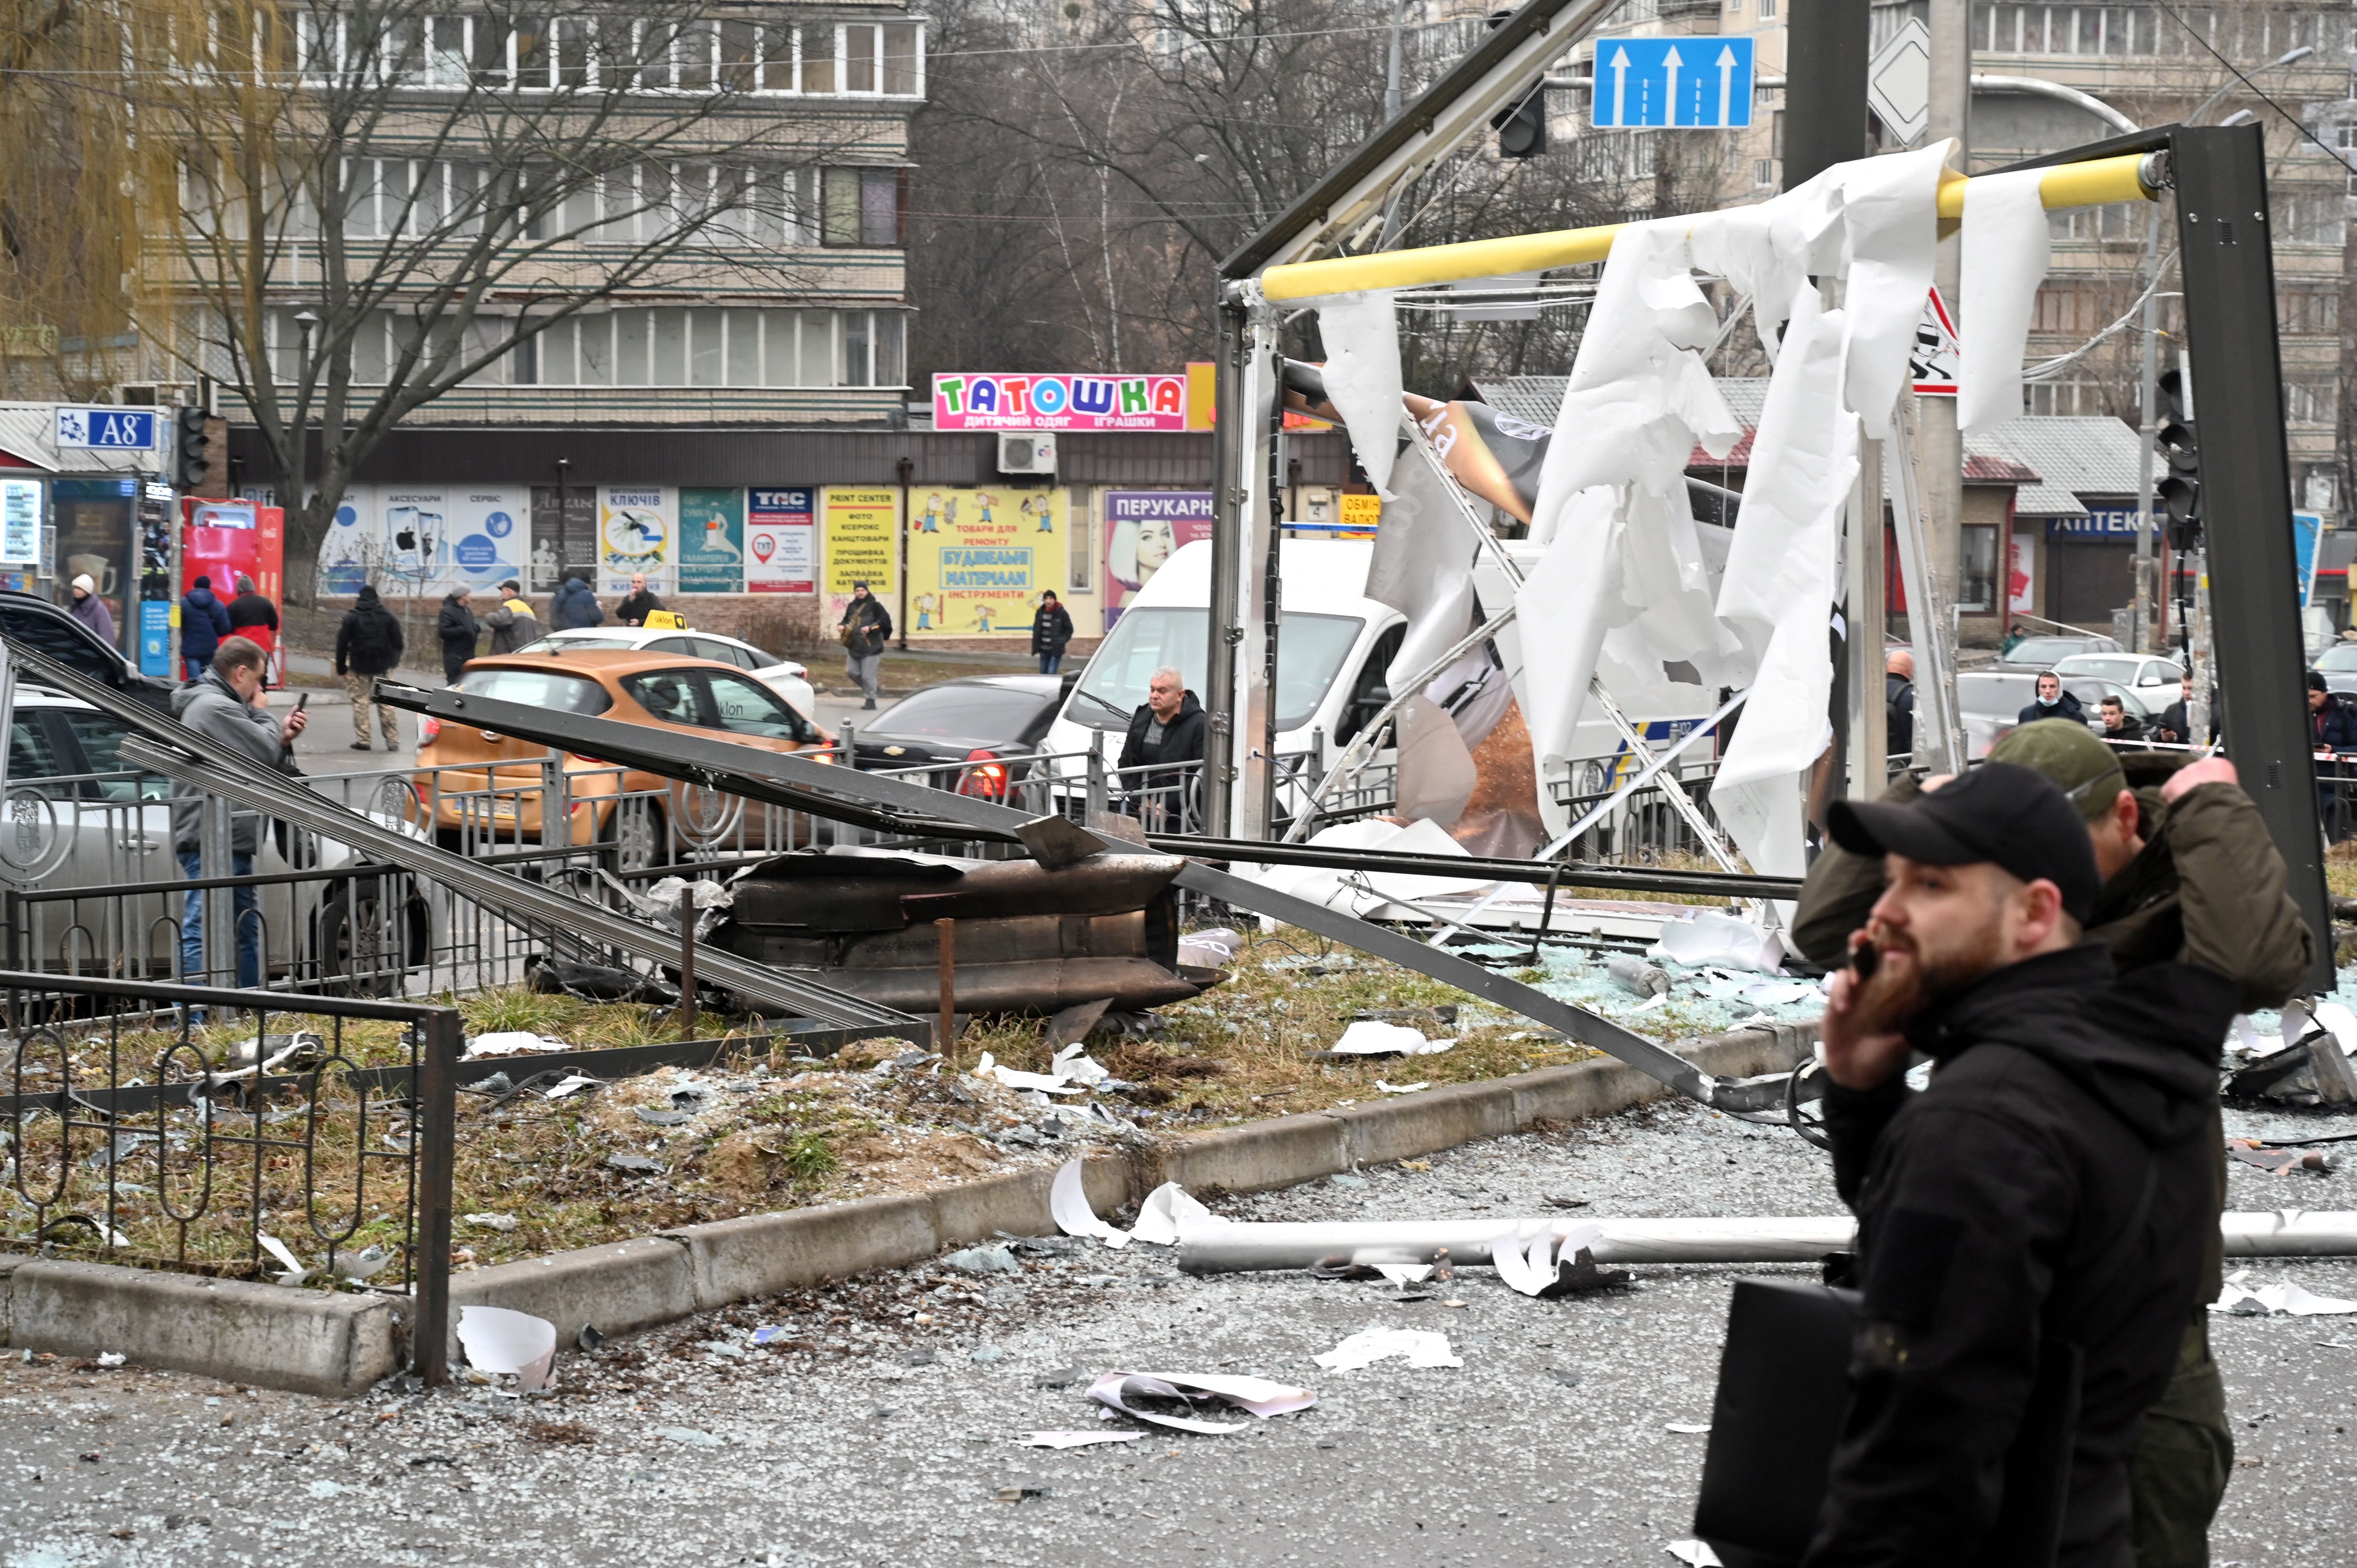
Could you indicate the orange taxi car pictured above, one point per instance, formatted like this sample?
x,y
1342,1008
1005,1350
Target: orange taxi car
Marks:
x,y
482,786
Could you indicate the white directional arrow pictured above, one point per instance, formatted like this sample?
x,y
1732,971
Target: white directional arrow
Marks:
x,y
1726,85
1620,86
1671,60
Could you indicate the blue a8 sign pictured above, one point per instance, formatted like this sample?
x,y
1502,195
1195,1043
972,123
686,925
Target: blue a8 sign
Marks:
x,y
1694,80
107,429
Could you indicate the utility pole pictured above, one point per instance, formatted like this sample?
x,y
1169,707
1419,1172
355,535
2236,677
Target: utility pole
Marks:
x,y
1940,445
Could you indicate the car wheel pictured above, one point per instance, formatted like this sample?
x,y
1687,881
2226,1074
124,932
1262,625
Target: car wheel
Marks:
x,y
357,955
637,835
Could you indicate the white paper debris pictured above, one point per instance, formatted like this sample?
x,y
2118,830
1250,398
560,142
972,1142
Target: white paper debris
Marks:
x,y
1694,1553
1404,1274
1402,1087
1214,948
1688,1427
1075,1439
1169,1213
1068,1201
2284,1297
1360,334
296,1273
1372,1037
1709,938
512,1043
500,1222
499,1340
2336,1017
573,1084
112,1357
2007,246
1074,1063
1042,1082
1422,1346
1254,1396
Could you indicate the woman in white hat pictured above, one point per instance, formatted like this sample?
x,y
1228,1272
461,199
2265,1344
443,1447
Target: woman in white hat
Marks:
x,y
90,610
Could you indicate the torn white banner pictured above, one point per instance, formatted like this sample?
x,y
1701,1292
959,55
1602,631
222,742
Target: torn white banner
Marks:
x,y
1068,1201
499,1340
2007,247
1890,226
1779,586
1422,1347
1422,562
1373,1037
1168,1213
1360,332
511,1042
1254,1396
1530,1269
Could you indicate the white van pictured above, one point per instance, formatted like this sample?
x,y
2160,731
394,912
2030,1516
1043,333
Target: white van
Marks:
x,y
1333,646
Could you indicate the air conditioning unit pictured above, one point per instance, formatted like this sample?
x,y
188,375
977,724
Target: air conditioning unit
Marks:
x,y
137,395
1026,452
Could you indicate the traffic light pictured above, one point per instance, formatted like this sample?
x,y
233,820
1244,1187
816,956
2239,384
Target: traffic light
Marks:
x,y
2181,489
192,448
1522,130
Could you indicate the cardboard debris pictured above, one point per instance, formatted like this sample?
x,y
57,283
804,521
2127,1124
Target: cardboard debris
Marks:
x,y
499,1340
1254,1396
1422,1346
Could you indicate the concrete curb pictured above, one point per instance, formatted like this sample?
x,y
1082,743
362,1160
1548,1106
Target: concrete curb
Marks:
x,y
318,1343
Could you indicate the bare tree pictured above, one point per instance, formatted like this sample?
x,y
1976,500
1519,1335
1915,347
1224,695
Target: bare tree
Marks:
x,y
384,200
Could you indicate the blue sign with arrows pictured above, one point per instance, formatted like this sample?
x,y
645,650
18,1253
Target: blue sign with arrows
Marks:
x,y
1692,80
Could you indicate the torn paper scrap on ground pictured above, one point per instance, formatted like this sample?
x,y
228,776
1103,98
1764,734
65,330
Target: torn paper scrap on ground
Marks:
x,y
1068,1201
1691,1428
1074,1063
2243,1301
1075,1439
1694,1553
1045,1083
511,1043
1402,1088
1254,1396
1532,1268
1422,1346
1710,938
1404,1274
1168,1213
497,1339
296,1273
1372,1037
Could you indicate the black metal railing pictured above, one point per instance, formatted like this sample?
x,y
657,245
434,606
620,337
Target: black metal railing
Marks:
x,y
236,1133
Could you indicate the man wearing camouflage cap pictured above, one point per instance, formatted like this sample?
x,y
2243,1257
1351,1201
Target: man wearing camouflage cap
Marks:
x,y
2190,875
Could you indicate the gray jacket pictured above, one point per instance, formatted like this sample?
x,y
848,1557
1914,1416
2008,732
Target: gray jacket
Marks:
x,y
209,708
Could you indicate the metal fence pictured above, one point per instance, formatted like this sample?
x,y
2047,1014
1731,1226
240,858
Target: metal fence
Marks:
x,y
234,1133
1644,827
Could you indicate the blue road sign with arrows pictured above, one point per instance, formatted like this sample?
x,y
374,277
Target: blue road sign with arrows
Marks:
x,y
1693,81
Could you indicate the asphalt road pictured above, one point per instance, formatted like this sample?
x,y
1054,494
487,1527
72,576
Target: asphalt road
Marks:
x,y
889,1440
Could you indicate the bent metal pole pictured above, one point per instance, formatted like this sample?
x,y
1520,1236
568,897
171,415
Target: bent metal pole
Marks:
x,y
1241,1247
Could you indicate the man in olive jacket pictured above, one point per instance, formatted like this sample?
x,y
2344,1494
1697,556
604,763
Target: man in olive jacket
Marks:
x,y
2190,876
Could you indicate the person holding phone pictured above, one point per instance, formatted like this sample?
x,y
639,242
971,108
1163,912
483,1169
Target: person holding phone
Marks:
x,y
227,706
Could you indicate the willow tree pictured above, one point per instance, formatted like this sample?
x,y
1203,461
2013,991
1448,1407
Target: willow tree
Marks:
x,y
382,201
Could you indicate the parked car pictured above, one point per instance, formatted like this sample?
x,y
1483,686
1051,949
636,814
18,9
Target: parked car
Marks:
x,y
984,724
81,818
478,786
784,676
2046,652
2136,671
2337,665
48,629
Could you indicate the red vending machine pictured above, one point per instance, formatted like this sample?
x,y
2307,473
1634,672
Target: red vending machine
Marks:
x,y
223,541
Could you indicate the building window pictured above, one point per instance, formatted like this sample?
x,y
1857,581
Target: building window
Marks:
x,y
861,206
666,346
2308,311
1767,10
1976,588
2310,402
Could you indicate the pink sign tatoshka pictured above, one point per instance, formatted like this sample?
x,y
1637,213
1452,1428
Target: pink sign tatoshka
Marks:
x,y
974,401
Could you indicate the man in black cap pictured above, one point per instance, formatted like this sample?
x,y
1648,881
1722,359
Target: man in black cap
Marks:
x,y
2030,1226
2332,725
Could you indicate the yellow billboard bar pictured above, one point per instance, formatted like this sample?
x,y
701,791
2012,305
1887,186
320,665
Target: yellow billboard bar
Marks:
x,y
2096,183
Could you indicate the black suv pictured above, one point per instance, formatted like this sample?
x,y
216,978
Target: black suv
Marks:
x,y
44,627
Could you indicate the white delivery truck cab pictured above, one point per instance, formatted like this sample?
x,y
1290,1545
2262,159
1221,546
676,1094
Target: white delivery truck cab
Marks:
x,y
1333,646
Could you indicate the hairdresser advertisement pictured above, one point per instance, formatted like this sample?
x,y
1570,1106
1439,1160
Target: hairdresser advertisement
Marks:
x,y
1143,530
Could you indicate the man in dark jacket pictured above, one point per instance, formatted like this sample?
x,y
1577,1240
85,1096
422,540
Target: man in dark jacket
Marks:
x,y
253,616
2119,723
2049,1199
1051,628
203,623
2176,723
1164,734
2332,724
865,628
2191,877
225,706
640,603
1899,702
458,628
2053,702
369,645
574,606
